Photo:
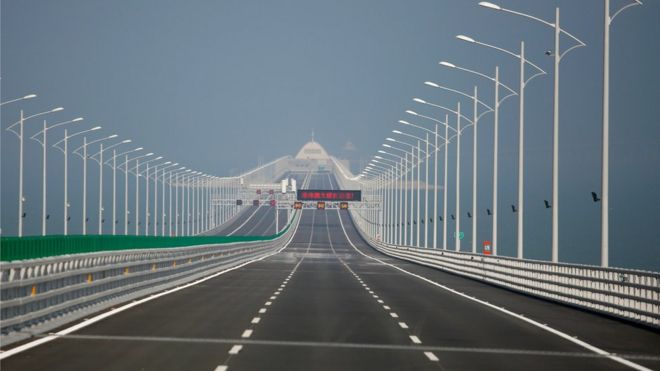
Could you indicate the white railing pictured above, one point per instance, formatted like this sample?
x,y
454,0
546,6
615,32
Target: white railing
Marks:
x,y
624,293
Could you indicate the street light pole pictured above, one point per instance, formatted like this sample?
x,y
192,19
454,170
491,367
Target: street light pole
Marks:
x,y
44,153
65,151
21,123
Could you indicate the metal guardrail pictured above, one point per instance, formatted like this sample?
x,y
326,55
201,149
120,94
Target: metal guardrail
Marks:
x,y
625,293
41,294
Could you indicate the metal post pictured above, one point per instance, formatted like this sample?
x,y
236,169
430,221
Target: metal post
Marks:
x,y
435,190
475,118
114,192
146,200
444,190
43,183
426,194
555,150
20,177
84,214
101,189
495,154
66,182
137,197
126,195
405,205
457,242
419,172
521,151
605,170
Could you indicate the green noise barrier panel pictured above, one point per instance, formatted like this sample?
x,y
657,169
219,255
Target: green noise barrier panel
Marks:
x,y
35,247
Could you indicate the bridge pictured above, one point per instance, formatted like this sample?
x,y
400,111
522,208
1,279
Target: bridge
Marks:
x,y
113,257
325,289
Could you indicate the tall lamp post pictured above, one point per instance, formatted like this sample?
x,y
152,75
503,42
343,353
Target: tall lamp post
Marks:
x,y
113,165
19,134
43,142
65,150
475,120
523,81
100,162
558,55
127,172
498,101
605,170
84,156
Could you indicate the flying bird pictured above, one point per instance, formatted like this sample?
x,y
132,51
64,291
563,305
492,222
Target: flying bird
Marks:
x,y
513,208
547,204
594,195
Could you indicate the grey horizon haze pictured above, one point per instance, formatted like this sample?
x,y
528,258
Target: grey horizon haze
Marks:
x,y
220,85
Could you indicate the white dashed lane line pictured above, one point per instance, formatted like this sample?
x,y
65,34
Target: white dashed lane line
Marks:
x,y
246,334
235,349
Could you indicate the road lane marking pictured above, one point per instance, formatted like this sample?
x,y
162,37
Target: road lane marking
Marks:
x,y
547,328
262,310
386,307
432,357
235,349
268,303
394,315
221,368
132,304
246,334
273,297
403,325
380,301
415,339
255,320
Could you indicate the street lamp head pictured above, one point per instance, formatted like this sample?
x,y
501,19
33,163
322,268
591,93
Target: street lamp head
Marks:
x,y
138,149
422,101
465,38
175,164
432,84
182,168
158,158
95,128
378,157
404,122
167,163
30,96
126,141
390,140
149,154
486,4
57,109
381,151
77,119
412,113
447,64
396,132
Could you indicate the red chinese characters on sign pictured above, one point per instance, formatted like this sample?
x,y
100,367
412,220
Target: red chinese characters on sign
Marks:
x,y
329,195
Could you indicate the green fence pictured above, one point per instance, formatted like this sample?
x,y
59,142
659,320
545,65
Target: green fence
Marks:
x,y
34,247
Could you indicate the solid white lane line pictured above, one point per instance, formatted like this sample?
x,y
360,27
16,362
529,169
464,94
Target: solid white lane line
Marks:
x,y
432,357
235,349
394,315
130,305
386,307
545,327
221,368
262,310
403,325
415,339
246,334
245,222
255,320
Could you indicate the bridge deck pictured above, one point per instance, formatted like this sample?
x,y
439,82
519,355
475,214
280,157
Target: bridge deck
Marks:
x,y
325,303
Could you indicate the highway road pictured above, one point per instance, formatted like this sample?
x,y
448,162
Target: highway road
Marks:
x,y
328,301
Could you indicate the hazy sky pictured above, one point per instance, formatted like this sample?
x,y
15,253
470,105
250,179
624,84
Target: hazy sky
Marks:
x,y
218,85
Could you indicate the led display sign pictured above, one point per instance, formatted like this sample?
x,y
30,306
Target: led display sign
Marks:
x,y
328,195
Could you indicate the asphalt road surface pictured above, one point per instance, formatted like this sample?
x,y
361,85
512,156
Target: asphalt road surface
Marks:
x,y
330,302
